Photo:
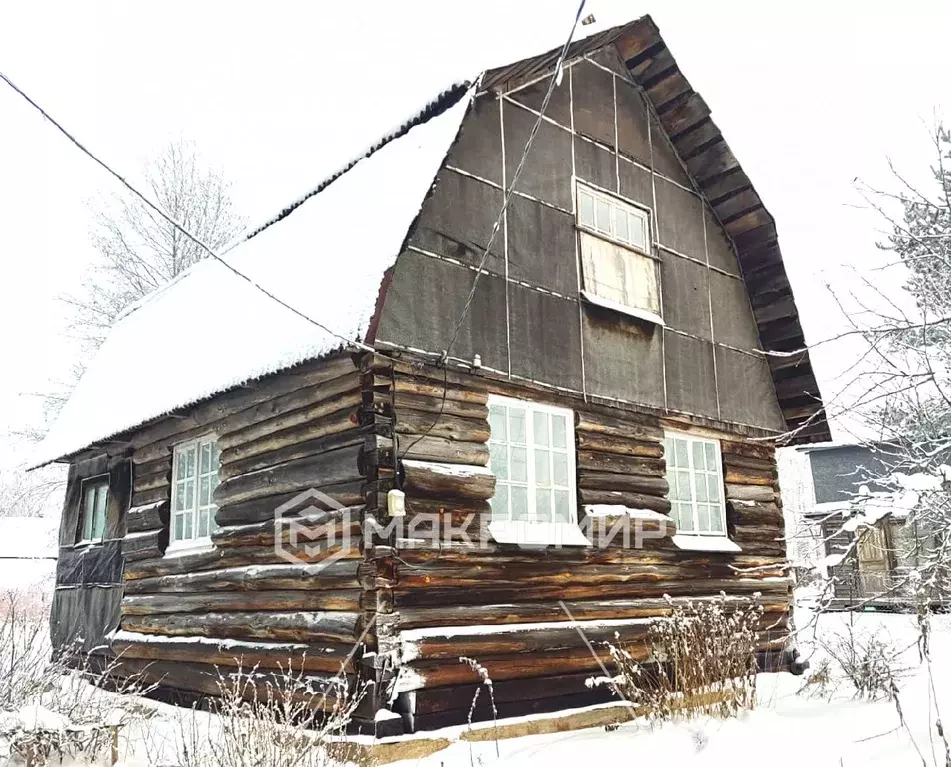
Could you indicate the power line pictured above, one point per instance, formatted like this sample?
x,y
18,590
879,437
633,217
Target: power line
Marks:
x,y
555,80
177,225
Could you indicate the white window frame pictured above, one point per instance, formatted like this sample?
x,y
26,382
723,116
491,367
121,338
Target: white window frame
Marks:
x,y
102,480
610,234
614,204
532,532
694,538
195,541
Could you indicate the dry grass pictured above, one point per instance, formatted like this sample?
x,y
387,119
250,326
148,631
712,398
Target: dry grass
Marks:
x,y
703,662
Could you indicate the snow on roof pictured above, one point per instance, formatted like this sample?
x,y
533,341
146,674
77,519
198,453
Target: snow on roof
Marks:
x,y
210,330
325,254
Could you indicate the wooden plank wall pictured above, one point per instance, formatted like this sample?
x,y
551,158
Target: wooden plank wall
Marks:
x,y
437,604
240,603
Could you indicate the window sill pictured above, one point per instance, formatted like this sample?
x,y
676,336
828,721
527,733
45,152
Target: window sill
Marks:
x,y
555,534
705,543
180,548
606,303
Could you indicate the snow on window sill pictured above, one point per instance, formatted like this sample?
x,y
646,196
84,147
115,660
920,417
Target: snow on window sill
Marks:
x,y
607,303
195,546
705,543
555,534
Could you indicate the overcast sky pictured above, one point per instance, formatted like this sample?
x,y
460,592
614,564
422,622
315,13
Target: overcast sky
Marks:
x,y
809,95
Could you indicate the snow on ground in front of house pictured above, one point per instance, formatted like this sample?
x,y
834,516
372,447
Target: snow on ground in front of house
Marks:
x,y
786,729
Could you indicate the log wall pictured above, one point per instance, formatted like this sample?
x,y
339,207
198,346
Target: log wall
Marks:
x,y
241,603
499,604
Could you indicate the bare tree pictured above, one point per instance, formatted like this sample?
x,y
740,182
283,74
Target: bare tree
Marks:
x,y
139,251
30,494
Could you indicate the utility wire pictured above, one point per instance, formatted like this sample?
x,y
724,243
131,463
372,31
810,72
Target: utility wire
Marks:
x,y
179,226
509,192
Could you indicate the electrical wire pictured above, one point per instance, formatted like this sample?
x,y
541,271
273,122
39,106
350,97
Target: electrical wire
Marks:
x,y
178,225
555,80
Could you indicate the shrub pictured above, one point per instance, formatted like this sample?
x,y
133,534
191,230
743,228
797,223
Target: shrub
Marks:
x,y
870,661
703,661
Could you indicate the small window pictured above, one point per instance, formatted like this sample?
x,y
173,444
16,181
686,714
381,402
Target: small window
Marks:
x,y
92,513
696,484
619,272
195,477
532,457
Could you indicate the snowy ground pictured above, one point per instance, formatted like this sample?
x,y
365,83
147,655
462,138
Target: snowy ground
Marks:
x,y
787,728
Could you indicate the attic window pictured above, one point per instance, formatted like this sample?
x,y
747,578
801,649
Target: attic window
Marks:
x,y
618,269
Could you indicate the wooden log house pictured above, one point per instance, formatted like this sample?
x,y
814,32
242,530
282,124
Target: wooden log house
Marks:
x,y
612,364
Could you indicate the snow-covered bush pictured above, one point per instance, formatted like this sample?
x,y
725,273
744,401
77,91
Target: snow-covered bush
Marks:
x,y
703,661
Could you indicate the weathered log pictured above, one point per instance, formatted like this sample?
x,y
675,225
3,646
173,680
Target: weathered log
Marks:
x,y
619,497
323,689
760,450
458,643
342,401
577,557
148,497
340,421
614,463
144,545
237,601
750,477
292,406
544,612
272,655
157,466
339,574
450,426
731,460
420,675
635,483
752,513
605,443
548,573
298,626
442,480
432,405
154,516
428,448
203,416
143,482
403,384
628,425
306,449
308,526
763,494
331,467
421,505
442,594
345,494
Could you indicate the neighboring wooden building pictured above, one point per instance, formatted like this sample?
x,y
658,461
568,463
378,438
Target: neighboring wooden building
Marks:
x,y
863,525
611,363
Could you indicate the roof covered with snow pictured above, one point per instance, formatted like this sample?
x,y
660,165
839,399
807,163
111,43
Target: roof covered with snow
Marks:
x,y
213,330
325,255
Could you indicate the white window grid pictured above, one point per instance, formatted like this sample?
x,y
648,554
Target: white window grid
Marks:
x,y
615,219
194,479
533,459
95,502
695,476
